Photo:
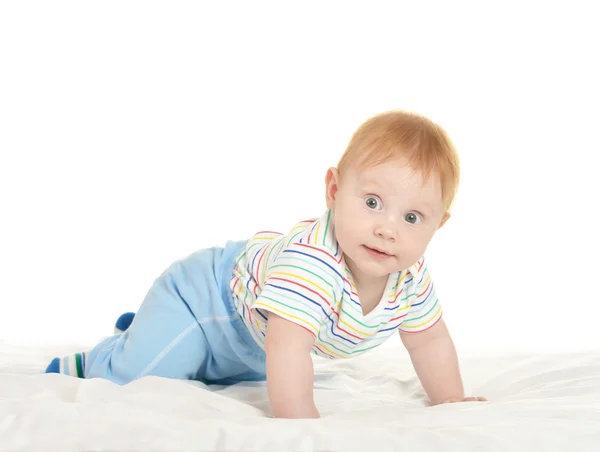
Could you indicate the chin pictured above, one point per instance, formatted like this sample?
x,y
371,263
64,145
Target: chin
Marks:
x,y
375,271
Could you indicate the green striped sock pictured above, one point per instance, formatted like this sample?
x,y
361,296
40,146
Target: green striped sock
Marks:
x,y
73,365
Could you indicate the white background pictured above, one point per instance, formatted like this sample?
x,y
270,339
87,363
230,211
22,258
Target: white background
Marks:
x,y
132,134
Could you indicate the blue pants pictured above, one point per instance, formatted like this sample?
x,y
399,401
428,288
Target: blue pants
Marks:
x,y
186,328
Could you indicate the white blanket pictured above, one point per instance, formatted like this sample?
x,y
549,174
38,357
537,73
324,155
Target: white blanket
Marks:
x,y
545,403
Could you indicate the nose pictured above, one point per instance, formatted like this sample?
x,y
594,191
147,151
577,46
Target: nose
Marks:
x,y
386,230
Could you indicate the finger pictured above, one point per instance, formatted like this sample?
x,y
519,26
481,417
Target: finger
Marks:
x,y
475,399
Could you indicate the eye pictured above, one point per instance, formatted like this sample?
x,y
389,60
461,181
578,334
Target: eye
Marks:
x,y
413,218
373,202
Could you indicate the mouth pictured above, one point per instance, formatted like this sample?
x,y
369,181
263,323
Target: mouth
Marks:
x,y
377,252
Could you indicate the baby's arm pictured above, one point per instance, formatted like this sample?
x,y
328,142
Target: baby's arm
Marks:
x,y
290,375
435,361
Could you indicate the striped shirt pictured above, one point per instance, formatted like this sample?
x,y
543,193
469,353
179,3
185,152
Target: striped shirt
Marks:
x,y
303,277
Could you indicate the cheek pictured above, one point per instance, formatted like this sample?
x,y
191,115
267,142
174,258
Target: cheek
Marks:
x,y
341,230
347,232
418,244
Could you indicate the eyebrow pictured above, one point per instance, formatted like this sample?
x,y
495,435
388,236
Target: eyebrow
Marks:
x,y
371,181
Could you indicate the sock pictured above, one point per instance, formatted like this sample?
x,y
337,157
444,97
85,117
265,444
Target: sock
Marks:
x,y
73,365
123,322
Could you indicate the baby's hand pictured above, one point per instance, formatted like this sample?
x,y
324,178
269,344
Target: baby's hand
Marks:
x,y
463,399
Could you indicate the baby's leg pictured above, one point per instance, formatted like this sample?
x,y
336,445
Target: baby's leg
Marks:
x,y
187,328
164,339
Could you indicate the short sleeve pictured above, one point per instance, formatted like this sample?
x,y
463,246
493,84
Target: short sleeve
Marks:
x,y
425,309
301,285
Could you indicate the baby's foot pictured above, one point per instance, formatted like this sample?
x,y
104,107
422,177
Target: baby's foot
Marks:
x,y
123,322
73,365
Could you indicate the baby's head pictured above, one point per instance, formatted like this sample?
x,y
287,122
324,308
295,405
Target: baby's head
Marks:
x,y
392,189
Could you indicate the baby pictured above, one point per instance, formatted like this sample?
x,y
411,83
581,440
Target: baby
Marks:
x,y
335,286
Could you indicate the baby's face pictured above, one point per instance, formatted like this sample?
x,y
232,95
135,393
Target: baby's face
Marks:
x,y
385,217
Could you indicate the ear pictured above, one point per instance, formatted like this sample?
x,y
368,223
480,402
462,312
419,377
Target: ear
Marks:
x,y
444,219
331,187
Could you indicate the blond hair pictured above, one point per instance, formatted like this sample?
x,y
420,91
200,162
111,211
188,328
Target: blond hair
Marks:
x,y
393,134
